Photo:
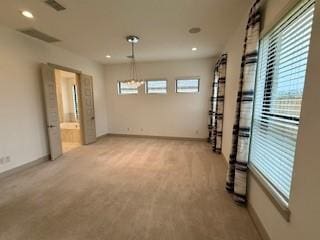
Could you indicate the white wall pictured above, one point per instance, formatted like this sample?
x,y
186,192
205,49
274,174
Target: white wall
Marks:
x,y
177,115
68,111
305,193
234,49
67,98
22,119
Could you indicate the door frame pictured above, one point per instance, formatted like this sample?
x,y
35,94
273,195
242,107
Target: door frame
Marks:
x,y
77,73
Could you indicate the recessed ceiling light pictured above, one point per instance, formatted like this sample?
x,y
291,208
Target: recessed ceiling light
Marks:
x,y
194,49
108,56
27,14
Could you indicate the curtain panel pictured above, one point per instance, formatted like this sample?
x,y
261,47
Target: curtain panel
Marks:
x,y
217,104
238,161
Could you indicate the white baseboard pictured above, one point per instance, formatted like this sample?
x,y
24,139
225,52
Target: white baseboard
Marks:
x,y
24,166
102,136
158,137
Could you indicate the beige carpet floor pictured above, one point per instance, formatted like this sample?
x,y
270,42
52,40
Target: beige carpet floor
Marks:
x,y
124,188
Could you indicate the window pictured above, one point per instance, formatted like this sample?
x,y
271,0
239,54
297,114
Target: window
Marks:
x,y
156,86
280,81
187,85
75,102
125,88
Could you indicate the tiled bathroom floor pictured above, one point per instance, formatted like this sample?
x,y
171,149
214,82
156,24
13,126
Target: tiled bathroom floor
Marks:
x,y
68,146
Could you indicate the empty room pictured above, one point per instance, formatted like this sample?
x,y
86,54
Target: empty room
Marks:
x,y
159,119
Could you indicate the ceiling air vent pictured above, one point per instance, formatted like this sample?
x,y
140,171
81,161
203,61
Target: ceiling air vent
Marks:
x,y
39,35
55,5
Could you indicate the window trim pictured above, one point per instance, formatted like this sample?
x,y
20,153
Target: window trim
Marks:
x,y
154,80
124,94
187,78
276,199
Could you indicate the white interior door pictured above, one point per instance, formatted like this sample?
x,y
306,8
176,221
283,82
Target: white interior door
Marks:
x,y
52,112
87,107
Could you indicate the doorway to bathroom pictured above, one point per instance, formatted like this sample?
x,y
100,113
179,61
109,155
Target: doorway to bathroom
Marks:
x,y
68,107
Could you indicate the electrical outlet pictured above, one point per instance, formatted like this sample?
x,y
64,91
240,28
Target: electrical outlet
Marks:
x,y
128,129
197,132
141,129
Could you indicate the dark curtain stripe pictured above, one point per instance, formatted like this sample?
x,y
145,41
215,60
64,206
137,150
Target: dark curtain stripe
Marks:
x,y
217,104
238,160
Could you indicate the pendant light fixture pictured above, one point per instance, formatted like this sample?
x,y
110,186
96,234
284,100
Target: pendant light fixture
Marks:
x,y
133,81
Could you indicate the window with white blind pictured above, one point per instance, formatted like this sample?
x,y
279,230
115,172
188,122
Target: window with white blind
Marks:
x,y
189,85
280,80
156,86
124,88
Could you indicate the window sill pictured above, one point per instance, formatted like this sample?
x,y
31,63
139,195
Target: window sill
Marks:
x,y
275,198
194,93
156,93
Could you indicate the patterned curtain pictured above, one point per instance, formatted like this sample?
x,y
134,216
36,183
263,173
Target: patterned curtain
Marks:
x,y
238,162
217,104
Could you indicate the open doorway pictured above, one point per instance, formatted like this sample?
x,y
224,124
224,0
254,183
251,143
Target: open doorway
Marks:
x,y
68,108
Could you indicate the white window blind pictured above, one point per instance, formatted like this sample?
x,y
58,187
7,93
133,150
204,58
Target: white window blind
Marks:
x,y
187,85
156,86
280,80
125,88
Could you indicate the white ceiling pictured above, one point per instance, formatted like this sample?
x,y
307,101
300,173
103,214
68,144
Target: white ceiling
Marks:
x,y
94,28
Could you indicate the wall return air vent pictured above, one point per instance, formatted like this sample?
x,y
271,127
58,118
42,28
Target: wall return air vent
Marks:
x,y
55,5
39,35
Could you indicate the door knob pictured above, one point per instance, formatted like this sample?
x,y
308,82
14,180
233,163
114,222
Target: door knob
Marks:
x,y
92,118
51,126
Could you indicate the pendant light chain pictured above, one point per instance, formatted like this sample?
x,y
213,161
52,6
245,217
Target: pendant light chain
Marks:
x,y
133,81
